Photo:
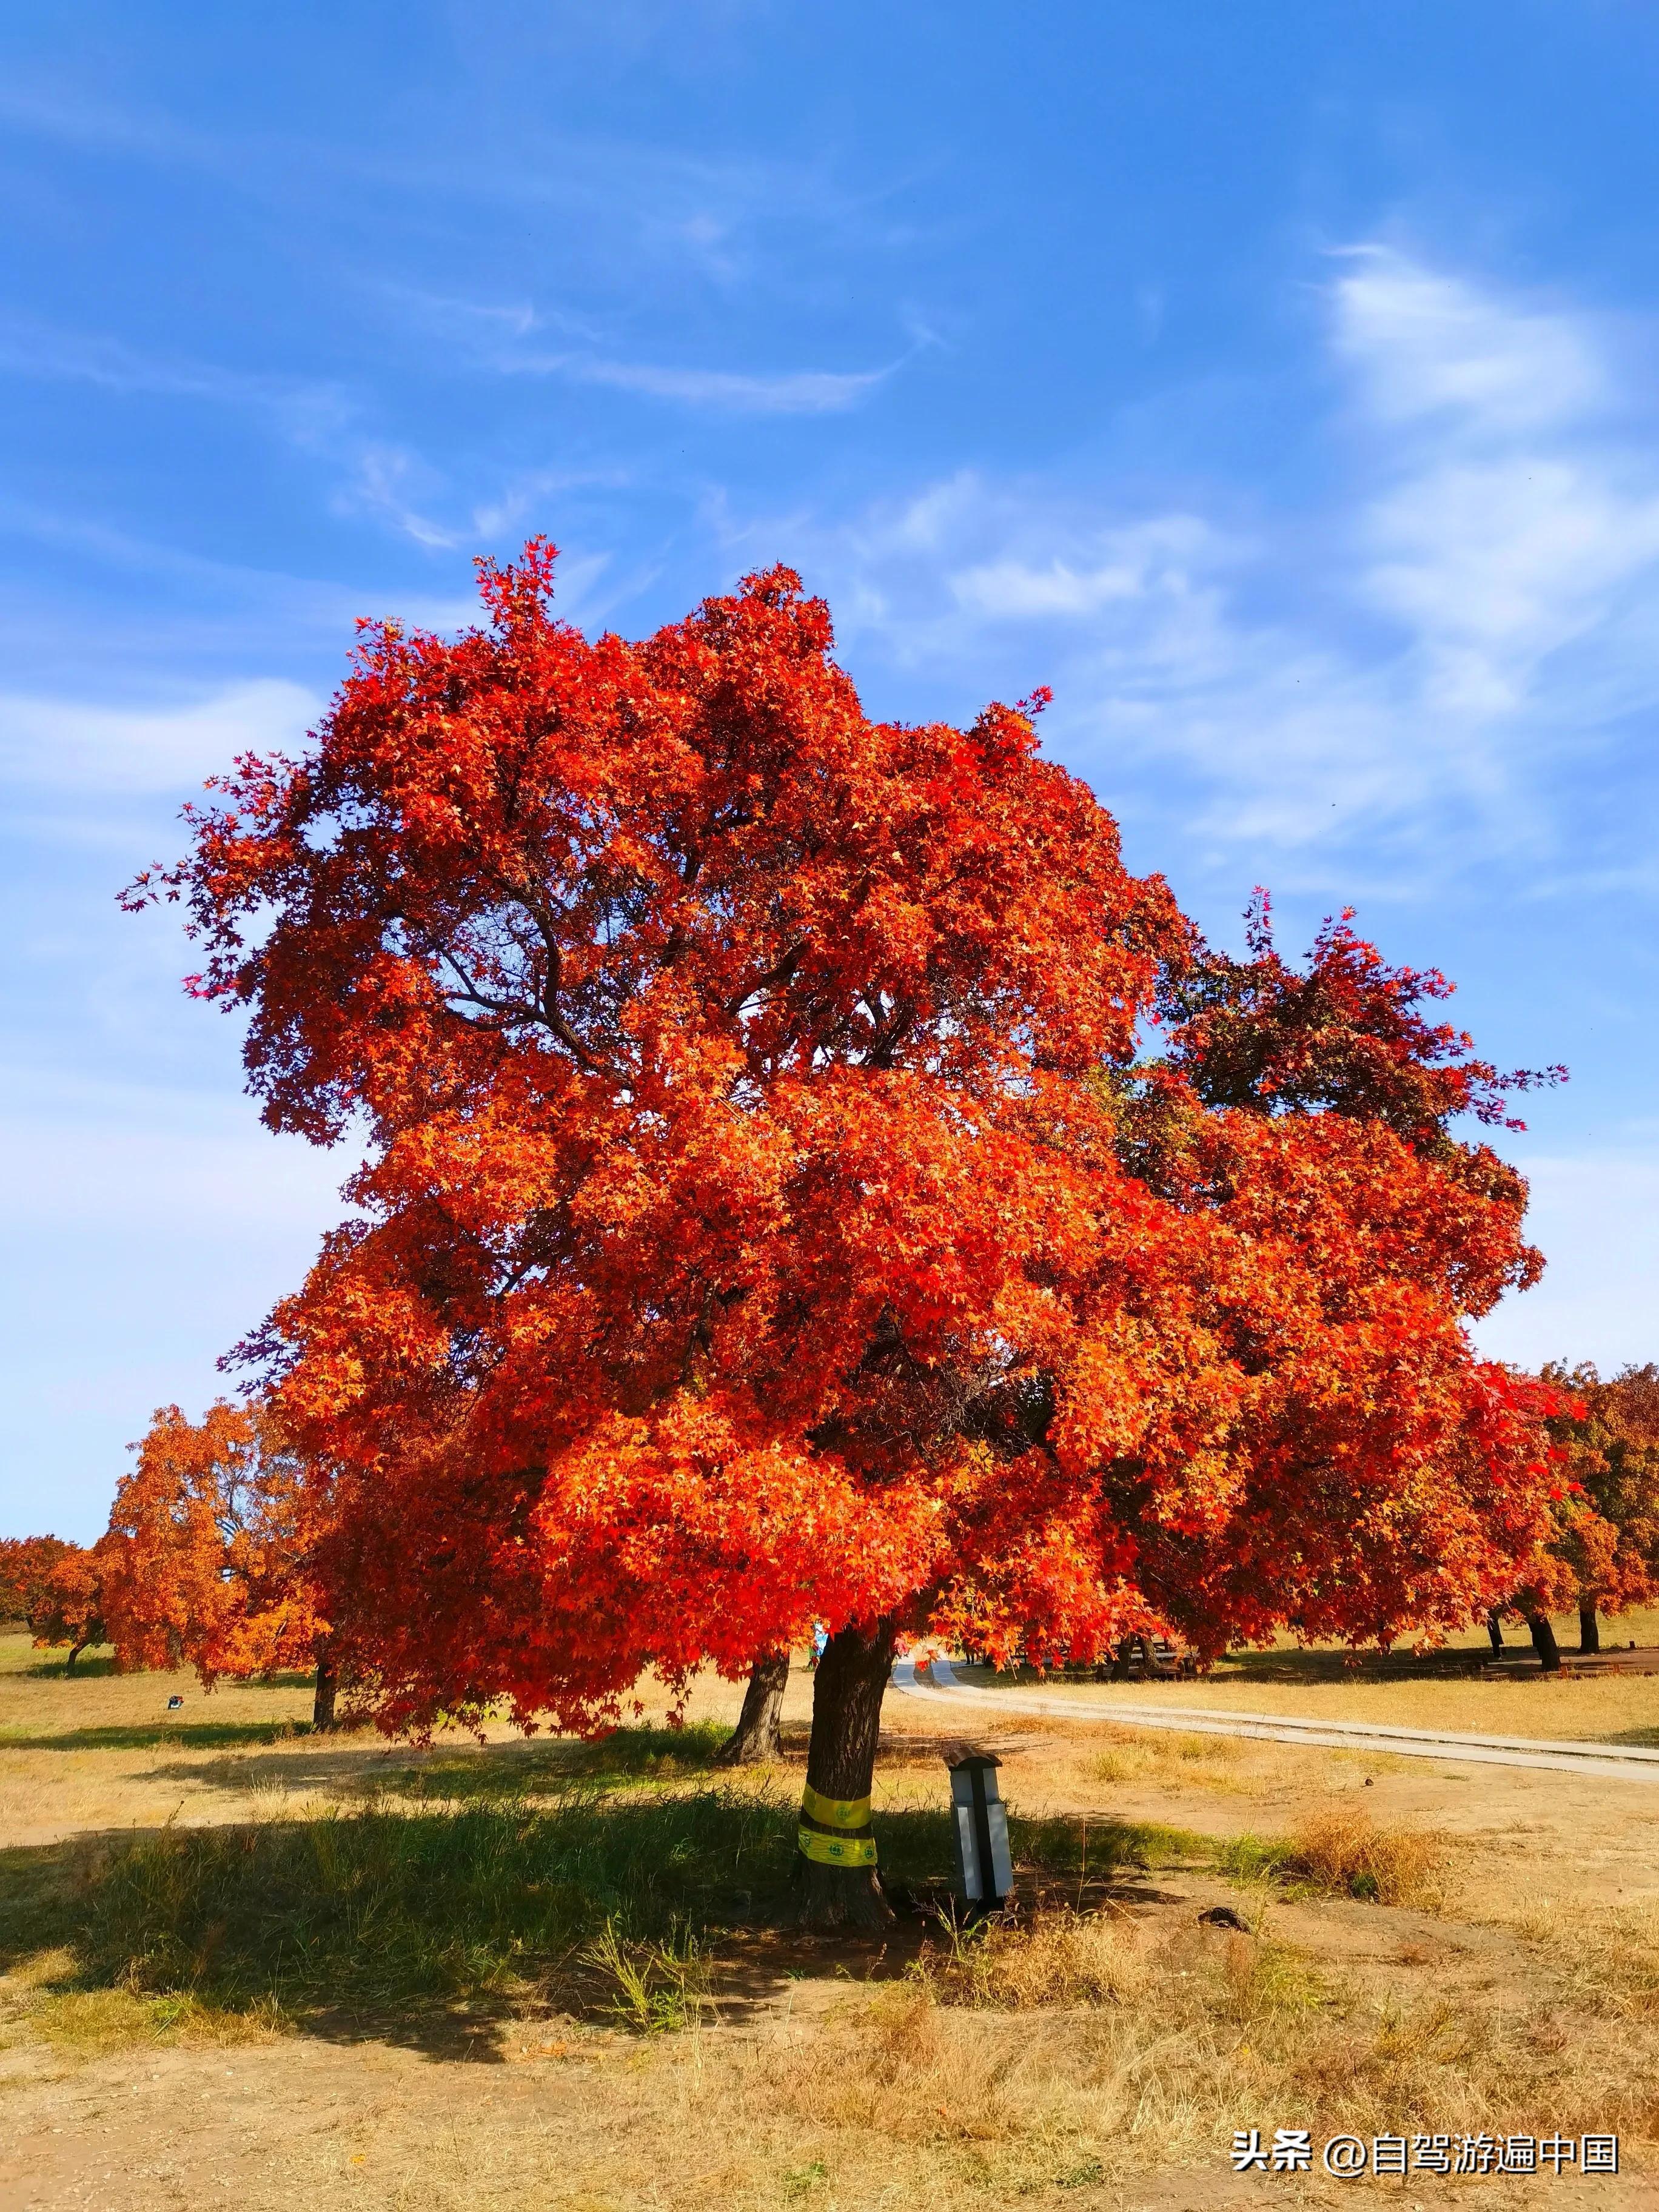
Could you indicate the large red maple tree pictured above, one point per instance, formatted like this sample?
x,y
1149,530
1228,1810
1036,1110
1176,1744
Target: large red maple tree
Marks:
x,y
770,1213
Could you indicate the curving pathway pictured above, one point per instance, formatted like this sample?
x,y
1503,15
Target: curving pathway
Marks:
x,y
1608,1761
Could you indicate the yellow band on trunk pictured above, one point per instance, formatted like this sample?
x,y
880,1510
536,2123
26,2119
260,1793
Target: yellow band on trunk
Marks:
x,y
835,1812
836,1850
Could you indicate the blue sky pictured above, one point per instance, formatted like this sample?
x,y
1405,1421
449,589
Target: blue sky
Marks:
x,y
1275,381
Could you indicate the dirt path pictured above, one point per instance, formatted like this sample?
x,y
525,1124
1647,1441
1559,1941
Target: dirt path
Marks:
x,y
1616,1762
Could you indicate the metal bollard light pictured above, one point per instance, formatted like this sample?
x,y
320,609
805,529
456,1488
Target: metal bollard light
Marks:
x,y
985,1871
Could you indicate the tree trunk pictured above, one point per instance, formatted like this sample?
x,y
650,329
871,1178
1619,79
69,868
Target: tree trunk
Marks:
x,y
1543,1643
1589,1632
1495,1630
756,1736
328,1684
75,1650
841,1763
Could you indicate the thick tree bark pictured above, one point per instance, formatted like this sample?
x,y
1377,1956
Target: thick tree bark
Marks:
x,y
75,1650
328,1684
1495,1630
1543,1643
1590,1632
756,1736
841,1764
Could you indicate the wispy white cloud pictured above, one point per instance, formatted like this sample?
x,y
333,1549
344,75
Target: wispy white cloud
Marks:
x,y
738,392
46,109
308,410
269,605
1423,344
404,491
388,482
1126,566
729,219
61,746
1511,518
1474,602
481,325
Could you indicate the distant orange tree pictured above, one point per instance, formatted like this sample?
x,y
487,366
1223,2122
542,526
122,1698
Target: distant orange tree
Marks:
x,y
1607,1537
56,1588
207,1559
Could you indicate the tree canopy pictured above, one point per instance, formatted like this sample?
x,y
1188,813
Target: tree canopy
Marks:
x,y
56,1587
1608,1511
205,1560
774,1210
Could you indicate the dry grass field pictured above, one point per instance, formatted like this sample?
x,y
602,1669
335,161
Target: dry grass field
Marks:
x,y
242,1965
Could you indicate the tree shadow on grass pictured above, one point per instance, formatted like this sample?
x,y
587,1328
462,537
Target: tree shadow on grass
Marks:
x,y
158,1735
89,1668
462,1772
1338,1666
448,1931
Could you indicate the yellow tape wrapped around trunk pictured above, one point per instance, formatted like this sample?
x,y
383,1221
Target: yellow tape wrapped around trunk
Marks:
x,y
836,1850
834,1812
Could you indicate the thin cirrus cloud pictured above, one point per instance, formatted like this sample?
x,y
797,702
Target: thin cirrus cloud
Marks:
x,y
308,410
477,328
59,745
736,392
402,491
629,197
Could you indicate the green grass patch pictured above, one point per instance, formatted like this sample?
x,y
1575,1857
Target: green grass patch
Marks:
x,y
1254,1859
610,1896
1069,1845
398,1912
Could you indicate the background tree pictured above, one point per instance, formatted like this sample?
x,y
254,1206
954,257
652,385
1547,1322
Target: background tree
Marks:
x,y
766,1218
207,1559
1349,1035
1346,1034
56,1587
24,1562
1608,1533
758,1735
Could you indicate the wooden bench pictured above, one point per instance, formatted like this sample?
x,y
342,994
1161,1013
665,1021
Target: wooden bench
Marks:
x,y
1146,1659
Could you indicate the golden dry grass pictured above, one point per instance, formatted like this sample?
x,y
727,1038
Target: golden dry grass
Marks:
x,y
1178,2035
1348,1854
1093,2056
